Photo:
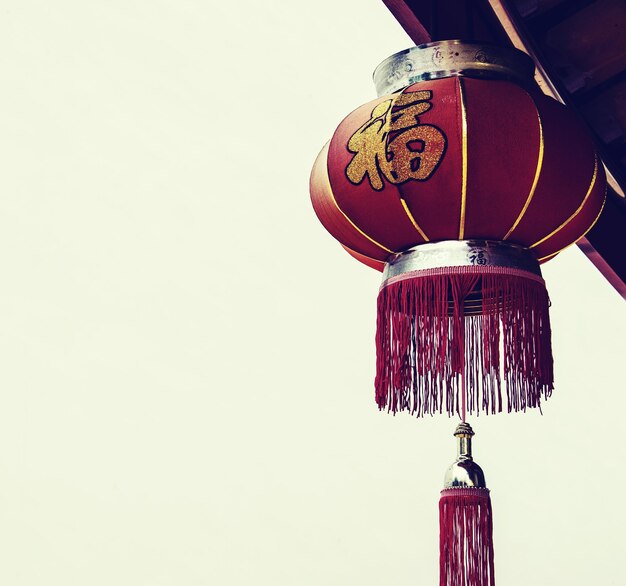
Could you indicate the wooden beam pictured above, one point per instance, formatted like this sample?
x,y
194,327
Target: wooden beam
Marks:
x,y
498,21
605,244
426,20
408,21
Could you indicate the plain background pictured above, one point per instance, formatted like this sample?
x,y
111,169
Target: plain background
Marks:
x,y
186,357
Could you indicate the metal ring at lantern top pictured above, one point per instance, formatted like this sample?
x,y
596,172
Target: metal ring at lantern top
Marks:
x,y
452,58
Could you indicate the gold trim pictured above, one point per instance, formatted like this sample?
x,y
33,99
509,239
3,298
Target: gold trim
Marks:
x,y
580,207
413,221
332,196
545,258
348,249
583,235
463,158
535,180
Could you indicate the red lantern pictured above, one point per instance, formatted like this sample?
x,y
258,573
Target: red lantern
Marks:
x,y
457,186
457,183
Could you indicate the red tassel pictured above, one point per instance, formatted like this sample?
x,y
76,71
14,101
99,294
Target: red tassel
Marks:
x,y
465,538
483,323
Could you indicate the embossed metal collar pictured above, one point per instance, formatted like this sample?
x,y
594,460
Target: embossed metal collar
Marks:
x,y
452,58
462,253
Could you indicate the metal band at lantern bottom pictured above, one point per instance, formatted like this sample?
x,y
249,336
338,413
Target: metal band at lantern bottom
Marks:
x,y
450,257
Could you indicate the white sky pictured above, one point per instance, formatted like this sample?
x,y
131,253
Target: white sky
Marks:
x,y
186,357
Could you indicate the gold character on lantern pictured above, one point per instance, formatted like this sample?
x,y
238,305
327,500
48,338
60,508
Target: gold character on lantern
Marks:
x,y
393,144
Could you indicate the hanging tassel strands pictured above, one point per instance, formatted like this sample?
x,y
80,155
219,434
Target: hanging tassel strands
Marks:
x,y
473,308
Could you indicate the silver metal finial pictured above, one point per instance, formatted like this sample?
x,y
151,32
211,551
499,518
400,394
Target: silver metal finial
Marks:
x,y
464,472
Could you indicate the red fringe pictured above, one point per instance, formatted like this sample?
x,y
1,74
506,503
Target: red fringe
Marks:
x,y
425,341
465,538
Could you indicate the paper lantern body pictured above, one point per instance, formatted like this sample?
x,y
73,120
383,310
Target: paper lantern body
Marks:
x,y
458,158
